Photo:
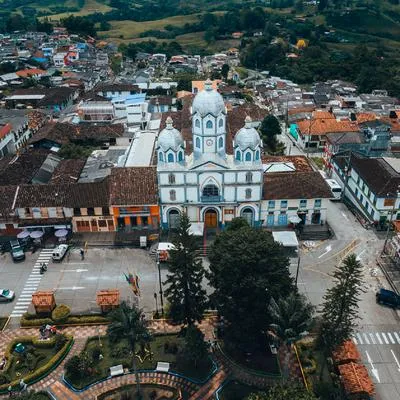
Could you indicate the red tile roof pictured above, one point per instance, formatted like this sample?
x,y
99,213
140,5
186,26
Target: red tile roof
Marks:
x,y
323,126
25,73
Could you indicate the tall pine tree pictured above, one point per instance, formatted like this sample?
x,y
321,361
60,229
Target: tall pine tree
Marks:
x,y
340,309
185,293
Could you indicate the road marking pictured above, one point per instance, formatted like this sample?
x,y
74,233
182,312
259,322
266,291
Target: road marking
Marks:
x,y
72,288
373,369
359,338
397,337
345,216
21,307
34,279
21,303
385,338
366,338
25,295
354,340
372,338
395,358
16,315
391,338
74,270
379,338
78,263
358,258
327,250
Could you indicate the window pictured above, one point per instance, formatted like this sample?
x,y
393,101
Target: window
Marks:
x,y
198,143
210,190
257,155
172,195
238,156
221,123
102,223
105,211
197,123
284,204
248,156
171,179
160,156
133,221
317,203
209,124
249,177
170,157
145,221
180,156
90,211
77,212
303,203
271,204
220,142
93,222
248,193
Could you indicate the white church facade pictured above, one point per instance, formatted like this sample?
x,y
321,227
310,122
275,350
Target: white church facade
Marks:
x,y
208,184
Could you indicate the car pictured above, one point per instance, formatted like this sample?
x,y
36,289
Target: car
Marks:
x,y
59,252
17,252
388,297
6,295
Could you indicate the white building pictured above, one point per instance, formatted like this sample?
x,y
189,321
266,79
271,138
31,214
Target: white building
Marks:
x,y
208,184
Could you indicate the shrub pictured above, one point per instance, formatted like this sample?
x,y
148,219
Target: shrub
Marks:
x,y
59,341
60,313
4,378
72,367
96,351
153,395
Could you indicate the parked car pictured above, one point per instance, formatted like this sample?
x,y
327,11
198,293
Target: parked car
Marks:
x,y
17,252
59,252
6,295
388,298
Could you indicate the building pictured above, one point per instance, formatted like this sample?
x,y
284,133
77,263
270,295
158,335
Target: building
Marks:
x,y
208,184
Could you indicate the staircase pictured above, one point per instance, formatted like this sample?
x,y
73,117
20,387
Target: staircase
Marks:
x,y
316,232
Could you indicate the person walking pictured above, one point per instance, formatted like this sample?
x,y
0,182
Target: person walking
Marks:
x,y
82,253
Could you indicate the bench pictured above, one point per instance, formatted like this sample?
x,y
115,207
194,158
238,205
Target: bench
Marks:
x,y
116,370
162,367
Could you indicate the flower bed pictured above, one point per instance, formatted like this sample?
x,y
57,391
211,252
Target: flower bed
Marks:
x,y
38,360
32,320
165,348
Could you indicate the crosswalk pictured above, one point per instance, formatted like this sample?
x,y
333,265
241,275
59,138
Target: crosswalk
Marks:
x,y
378,338
31,285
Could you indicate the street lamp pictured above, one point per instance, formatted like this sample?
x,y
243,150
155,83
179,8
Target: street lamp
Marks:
x,y
392,211
155,298
160,283
298,265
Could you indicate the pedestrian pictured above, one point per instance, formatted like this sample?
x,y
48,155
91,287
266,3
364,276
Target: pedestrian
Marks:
x,y
82,252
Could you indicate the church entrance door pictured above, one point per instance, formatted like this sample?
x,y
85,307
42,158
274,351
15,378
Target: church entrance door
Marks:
x,y
211,218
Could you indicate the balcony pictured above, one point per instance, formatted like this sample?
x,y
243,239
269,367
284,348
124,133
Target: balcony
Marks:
x,y
211,199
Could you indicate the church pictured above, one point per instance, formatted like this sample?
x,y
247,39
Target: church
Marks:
x,y
206,183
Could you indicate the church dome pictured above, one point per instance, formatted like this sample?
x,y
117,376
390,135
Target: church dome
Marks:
x,y
169,137
208,101
247,137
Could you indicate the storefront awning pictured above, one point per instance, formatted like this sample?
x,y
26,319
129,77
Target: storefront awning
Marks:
x,y
287,238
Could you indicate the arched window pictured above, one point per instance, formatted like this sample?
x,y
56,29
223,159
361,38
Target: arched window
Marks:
x,y
210,191
170,157
257,155
220,142
171,179
180,156
248,156
173,219
198,143
249,177
172,195
248,215
221,123
248,194
197,123
238,156
160,156
209,125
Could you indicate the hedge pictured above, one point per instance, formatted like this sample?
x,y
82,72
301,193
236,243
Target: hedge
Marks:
x,y
30,320
41,372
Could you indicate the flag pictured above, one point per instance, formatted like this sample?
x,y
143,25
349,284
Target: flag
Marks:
x,y
133,281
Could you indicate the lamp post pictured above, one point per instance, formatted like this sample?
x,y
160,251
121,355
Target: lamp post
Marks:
x,y
392,211
155,298
160,283
298,265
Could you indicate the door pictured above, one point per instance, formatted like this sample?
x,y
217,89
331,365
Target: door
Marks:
x,y
270,219
210,219
282,219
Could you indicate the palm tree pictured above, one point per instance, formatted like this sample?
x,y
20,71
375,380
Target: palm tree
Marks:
x,y
291,317
128,322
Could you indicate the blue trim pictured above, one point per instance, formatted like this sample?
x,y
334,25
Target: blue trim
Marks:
x,y
224,383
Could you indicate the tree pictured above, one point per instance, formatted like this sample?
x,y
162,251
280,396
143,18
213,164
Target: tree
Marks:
x,y
247,268
195,348
237,223
284,392
340,313
128,322
270,128
291,317
186,272
225,71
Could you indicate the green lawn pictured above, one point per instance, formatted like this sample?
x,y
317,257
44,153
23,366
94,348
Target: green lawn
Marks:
x,y
90,7
236,391
163,348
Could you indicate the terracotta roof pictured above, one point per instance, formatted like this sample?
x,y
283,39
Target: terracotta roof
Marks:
x,y
365,117
393,122
323,126
5,130
133,186
25,73
347,352
380,177
301,163
355,379
199,85
67,171
7,195
322,115
300,110
295,185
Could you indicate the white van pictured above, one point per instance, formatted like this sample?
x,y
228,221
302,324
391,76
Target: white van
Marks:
x,y
335,189
59,252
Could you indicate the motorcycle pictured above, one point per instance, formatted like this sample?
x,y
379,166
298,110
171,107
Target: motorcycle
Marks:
x,y
43,268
